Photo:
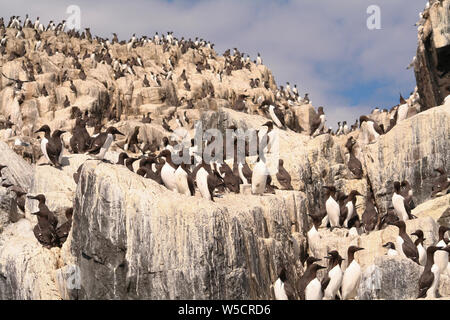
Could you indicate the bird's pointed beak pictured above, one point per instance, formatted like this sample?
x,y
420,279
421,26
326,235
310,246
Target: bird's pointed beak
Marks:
x,y
320,267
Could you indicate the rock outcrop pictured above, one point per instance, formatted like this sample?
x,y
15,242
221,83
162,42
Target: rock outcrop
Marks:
x,y
132,238
142,241
432,65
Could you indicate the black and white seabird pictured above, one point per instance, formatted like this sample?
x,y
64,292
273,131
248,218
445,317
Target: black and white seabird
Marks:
x,y
429,280
391,249
420,248
313,234
51,145
441,184
370,215
62,231
309,285
259,177
354,165
348,210
45,230
352,275
333,280
405,246
332,207
282,288
168,171
401,205
184,180
101,143
441,257
207,180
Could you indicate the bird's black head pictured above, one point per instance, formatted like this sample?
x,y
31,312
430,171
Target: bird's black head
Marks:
x,y
45,128
39,197
113,130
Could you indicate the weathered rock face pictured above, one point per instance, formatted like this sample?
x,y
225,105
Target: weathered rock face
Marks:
x,y
142,242
410,151
433,55
19,172
395,278
390,278
26,268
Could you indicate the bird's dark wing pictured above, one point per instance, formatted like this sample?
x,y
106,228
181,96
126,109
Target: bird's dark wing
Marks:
x,y
343,214
284,178
410,250
377,128
191,184
325,282
425,282
289,291
97,143
247,172
407,206
53,151
280,115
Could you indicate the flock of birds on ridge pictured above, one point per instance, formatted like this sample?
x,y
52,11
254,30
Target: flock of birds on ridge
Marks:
x,y
213,179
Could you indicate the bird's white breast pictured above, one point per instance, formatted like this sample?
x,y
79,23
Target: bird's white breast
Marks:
x,y
336,276
350,281
168,177
202,183
181,181
280,293
44,143
333,211
259,178
313,290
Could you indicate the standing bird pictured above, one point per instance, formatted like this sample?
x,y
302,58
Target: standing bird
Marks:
x,y
441,257
283,177
184,181
62,231
441,184
405,246
333,280
348,210
401,205
51,145
354,165
168,171
283,290
207,180
407,193
370,216
352,275
391,249
101,143
332,207
313,234
419,244
429,280
45,211
80,137
309,286
259,177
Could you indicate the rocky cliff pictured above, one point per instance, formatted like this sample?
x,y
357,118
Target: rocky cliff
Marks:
x,y
132,238
432,61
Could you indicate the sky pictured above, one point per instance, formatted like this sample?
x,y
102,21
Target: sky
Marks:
x,y
323,46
